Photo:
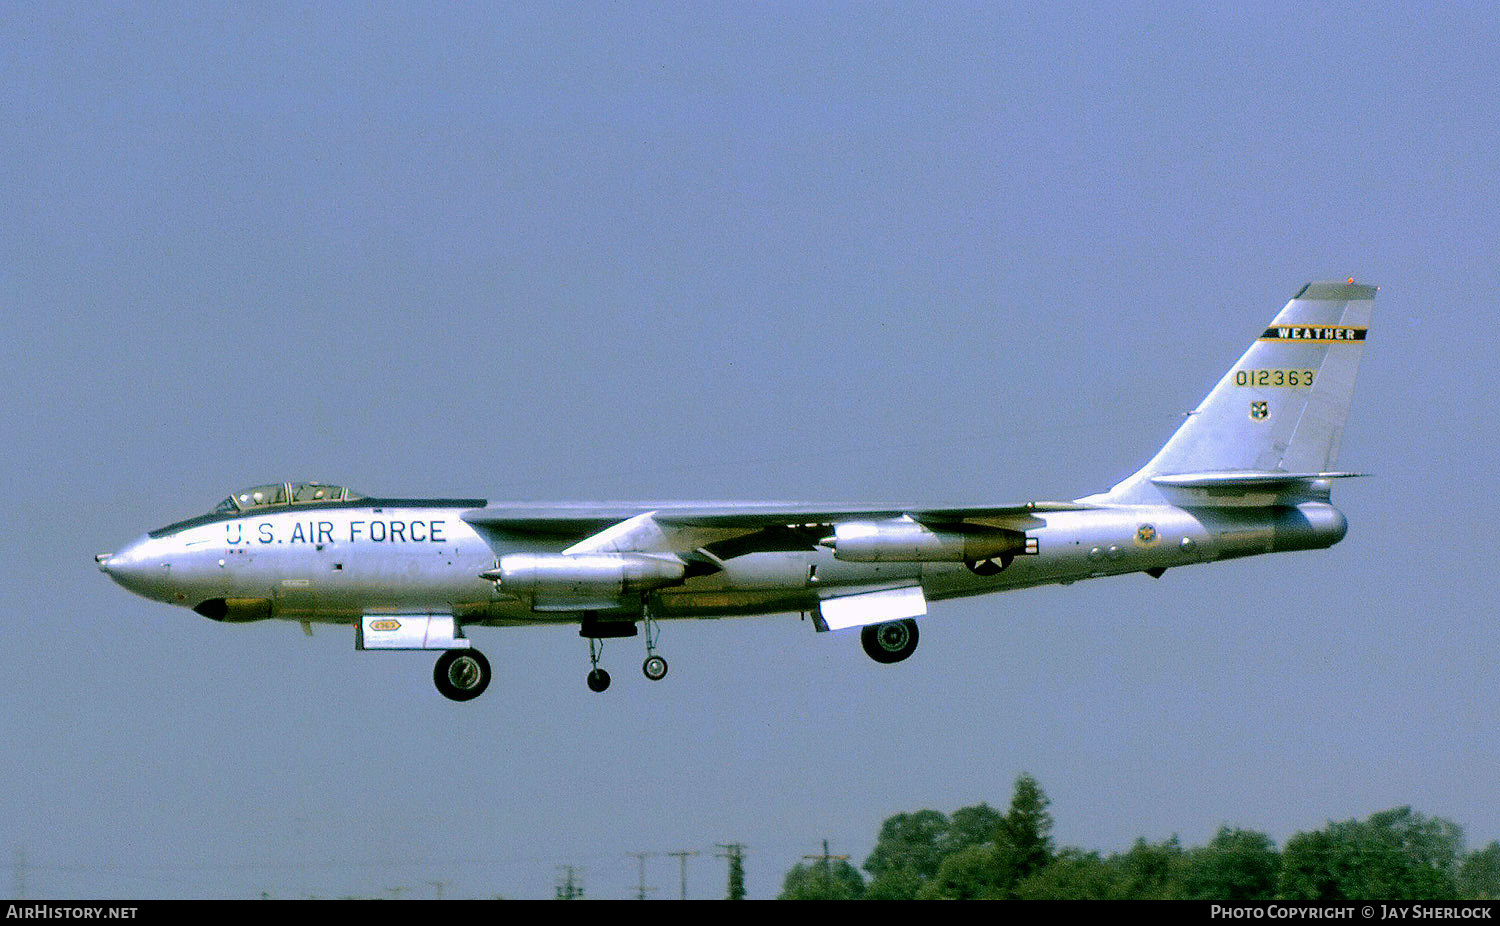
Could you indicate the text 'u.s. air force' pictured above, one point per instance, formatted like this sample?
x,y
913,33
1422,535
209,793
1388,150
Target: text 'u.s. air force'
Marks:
x,y
379,530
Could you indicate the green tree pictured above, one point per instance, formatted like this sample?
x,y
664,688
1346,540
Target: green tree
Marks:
x,y
1025,832
1393,855
1308,870
913,846
1479,875
1073,875
991,853
971,826
823,880
982,872
1149,871
907,854
1236,866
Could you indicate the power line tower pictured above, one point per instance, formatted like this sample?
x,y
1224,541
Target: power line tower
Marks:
x,y
641,888
683,857
569,883
735,853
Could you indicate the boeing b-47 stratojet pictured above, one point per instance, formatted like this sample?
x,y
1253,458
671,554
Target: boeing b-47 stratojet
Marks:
x,y
1247,472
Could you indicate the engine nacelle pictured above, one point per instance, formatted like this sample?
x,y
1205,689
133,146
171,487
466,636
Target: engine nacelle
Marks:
x,y
584,581
903,540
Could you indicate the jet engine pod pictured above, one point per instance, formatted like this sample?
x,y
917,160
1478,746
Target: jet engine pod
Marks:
x,y
905,540
235,610
584,581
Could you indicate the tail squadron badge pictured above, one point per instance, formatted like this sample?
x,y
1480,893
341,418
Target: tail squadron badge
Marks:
x,y
1259,411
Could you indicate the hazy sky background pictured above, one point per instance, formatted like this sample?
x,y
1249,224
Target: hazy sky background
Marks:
x,y
938,255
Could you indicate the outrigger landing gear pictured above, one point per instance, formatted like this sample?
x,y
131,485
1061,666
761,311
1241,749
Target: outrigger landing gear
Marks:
x,y
462,674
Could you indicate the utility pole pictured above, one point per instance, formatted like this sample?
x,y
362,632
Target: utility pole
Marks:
x,y
641,889
683,857
735,853
825,858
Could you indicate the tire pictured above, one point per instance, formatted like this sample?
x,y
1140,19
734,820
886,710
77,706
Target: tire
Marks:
x,y
890,642
654,668
461,674
598,680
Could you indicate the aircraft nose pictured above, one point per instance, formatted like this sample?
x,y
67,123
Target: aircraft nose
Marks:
x,y
136,569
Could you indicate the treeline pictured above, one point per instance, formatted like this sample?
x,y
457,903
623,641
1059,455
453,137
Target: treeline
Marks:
x,y
979,853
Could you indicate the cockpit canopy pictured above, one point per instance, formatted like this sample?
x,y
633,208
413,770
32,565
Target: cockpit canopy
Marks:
x,y
282,494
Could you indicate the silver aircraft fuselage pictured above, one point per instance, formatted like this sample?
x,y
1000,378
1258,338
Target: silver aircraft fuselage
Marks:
x,y
336,564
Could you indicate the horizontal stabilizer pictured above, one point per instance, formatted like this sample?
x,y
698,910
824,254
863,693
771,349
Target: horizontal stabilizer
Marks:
x,y
1247,487
1246,480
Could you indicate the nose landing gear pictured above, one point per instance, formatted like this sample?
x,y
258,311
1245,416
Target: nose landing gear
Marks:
x,y
596,631
598,679
655,667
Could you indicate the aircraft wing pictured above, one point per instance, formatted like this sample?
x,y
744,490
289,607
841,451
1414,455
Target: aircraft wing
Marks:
x,y
721,529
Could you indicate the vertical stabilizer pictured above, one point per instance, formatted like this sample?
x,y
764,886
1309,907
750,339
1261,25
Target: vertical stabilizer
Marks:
x,y
1282,407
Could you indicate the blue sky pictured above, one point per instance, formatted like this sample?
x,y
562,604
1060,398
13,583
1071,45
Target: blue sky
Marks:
x,y
869,253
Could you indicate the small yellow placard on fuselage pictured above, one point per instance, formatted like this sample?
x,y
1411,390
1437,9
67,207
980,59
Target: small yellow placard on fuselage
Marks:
x,y
1294,379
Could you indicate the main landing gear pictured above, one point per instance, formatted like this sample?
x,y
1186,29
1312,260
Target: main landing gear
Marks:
x,y
462,674
890,642
596,631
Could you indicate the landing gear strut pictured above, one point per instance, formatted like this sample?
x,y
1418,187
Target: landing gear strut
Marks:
x,y
655,667
596,631
598,679
462,674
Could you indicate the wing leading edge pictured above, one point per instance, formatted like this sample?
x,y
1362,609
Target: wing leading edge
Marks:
x,y
686,528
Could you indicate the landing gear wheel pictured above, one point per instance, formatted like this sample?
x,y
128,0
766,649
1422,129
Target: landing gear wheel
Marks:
x,y
598,680
890,642
462,674
655,668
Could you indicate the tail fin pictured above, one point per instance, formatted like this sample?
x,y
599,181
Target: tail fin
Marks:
x,y
1282,407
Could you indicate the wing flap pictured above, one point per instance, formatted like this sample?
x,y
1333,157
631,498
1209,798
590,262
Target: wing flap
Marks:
x,y
890,604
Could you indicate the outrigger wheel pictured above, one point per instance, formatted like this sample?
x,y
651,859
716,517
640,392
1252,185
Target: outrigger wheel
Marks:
x,y
598,680
655,668
462,674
